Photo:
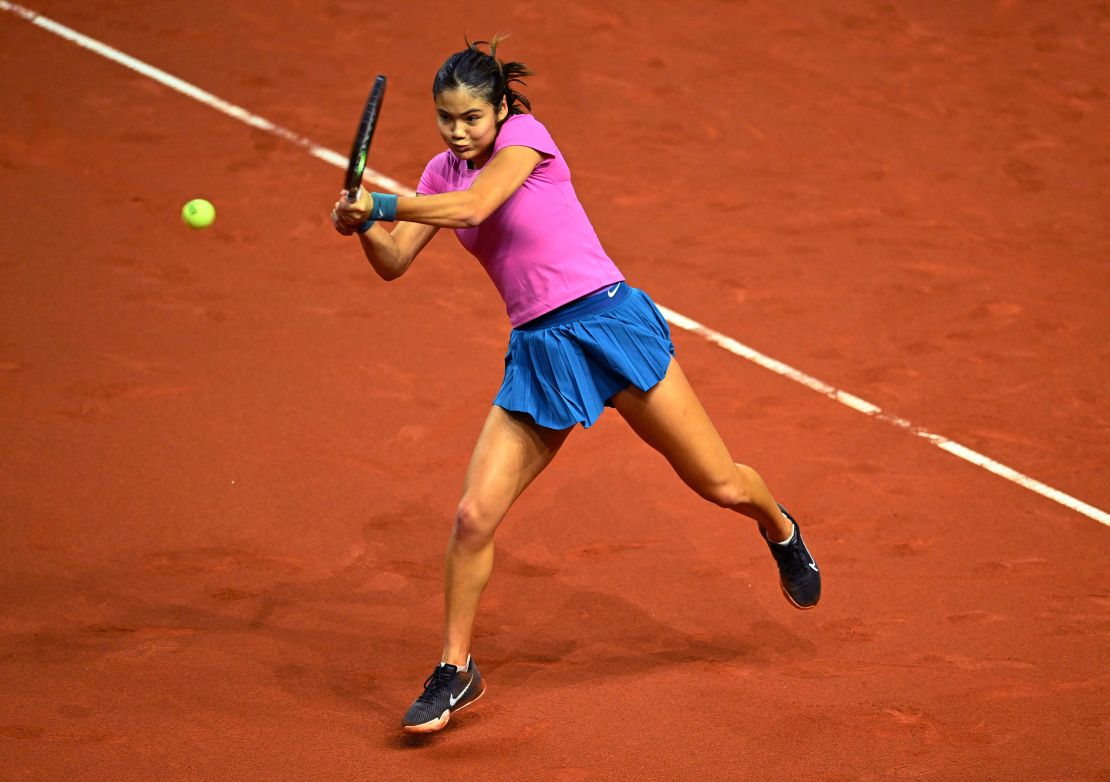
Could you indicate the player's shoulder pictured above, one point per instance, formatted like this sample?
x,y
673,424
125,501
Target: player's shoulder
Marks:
x,y
441,162
440,174
523,123
525,130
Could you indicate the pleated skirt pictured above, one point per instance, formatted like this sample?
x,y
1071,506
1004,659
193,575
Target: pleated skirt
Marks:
x,y
562,368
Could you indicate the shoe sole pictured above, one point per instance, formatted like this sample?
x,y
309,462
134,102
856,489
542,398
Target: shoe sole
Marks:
x,y
788,597
431,726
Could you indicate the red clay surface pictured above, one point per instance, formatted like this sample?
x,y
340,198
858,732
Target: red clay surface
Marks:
x,y
230,457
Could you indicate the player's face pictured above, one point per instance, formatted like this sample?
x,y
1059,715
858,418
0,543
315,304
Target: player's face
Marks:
x,y
468,124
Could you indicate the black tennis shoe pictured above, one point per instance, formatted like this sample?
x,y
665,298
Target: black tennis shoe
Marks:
x,y
798,574
446,691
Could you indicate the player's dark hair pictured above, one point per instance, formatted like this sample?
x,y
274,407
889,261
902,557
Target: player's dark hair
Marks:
x,y
484,75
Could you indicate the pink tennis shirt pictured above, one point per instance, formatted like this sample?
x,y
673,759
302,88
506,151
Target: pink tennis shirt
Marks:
x,y
538,247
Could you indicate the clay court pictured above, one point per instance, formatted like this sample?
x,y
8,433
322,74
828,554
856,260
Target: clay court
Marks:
x,y
230,457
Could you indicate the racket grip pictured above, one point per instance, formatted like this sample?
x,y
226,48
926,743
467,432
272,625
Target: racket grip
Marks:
x,y
352,197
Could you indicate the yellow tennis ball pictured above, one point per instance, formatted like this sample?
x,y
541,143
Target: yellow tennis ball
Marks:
x,y
198,213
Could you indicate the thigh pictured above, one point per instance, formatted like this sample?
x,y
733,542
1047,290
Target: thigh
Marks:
x,y
511,451
670,418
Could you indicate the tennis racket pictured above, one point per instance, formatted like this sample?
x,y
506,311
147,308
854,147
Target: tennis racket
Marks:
x,y
361,148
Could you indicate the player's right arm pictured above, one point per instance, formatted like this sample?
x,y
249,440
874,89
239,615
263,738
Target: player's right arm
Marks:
x,y
389,252
392,252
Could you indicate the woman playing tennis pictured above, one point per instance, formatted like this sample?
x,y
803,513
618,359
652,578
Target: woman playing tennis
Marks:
x,y
582,339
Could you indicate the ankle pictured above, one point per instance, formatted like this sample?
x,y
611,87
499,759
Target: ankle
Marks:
x,y
460,661
778,541
779,530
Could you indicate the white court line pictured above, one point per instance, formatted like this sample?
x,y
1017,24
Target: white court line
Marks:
x,y
865,407
676,319
196,93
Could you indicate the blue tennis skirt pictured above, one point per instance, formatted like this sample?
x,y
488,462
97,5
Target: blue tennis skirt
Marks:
x,y
563,367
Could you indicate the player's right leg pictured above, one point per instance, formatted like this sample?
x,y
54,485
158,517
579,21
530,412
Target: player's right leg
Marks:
x,y
511,451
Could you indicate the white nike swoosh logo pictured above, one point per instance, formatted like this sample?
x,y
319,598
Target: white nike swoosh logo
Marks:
x,y
452,700
613,292
812,562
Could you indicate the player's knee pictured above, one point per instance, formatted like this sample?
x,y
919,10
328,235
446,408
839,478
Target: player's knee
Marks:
x,y
725,493
474,523
730,490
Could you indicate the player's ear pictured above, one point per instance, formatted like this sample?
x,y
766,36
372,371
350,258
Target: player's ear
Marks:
x,y
503,111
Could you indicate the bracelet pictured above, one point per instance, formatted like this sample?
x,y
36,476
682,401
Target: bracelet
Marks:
x,y
365,226
384,207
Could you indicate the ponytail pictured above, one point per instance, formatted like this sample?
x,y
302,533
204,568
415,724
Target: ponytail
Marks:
x,y
484,75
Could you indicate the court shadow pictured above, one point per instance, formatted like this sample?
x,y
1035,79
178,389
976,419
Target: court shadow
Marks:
x,y
599,636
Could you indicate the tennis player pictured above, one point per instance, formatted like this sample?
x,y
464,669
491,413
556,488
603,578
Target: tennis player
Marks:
x,y
582,339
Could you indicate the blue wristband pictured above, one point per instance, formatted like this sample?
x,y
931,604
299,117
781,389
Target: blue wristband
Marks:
x,y
384,207
364,227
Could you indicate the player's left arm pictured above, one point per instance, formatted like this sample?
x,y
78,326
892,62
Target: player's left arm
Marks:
x,y
500,178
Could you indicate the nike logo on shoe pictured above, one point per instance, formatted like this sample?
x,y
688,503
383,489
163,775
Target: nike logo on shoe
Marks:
x,y
812,562
452,700
613,291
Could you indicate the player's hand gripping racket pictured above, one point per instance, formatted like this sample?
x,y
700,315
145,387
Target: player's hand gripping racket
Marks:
x,y
365,135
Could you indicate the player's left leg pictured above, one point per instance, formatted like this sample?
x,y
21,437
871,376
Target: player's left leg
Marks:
x,y
670,418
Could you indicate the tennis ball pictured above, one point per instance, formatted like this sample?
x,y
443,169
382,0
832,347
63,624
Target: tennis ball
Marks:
x,y
198,213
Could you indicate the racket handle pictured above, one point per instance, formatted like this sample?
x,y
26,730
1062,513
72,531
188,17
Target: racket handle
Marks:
x,y
352,197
